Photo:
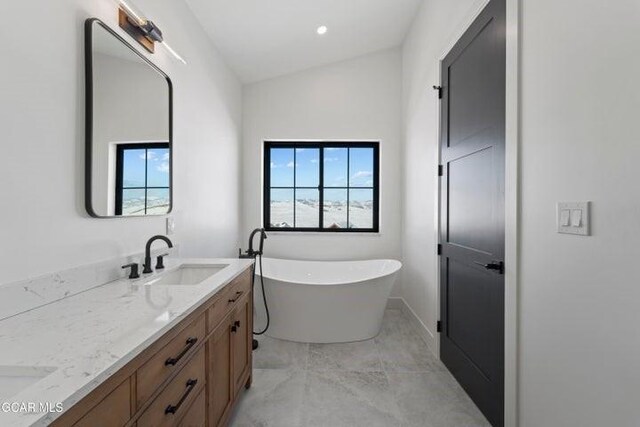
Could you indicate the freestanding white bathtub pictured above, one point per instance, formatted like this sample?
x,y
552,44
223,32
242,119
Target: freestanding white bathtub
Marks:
x,y
326,301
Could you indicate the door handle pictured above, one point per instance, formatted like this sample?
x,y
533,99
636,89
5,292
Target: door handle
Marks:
x,y
235,298
191,341
493,265
172,409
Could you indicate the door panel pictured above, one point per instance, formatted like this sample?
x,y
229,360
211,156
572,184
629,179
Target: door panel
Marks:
x,y
472,211
470,299
472,85
472,219
241,342
219,382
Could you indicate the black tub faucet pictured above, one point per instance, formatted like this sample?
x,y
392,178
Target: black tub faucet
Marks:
x,y
251,253
147,252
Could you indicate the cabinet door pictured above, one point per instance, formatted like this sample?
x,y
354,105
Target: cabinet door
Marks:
x,y
219,383
242,336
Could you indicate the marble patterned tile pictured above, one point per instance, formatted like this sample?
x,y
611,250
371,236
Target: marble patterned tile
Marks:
x,y
274,400
278,354
31,293
392,380
434,399
355,356
401,348
349,399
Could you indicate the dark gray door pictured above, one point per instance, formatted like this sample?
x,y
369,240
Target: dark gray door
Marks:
x,y
472,211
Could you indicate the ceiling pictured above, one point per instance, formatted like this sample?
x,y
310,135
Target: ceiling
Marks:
x,y
261,39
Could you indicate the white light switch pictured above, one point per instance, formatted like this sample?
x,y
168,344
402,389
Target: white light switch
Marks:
x,y
573,218
576,218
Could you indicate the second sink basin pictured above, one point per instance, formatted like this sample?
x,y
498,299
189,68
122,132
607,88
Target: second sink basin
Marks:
x,y
188,274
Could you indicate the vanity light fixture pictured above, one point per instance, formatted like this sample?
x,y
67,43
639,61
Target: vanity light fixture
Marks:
x,y
322,30
143,30
174,53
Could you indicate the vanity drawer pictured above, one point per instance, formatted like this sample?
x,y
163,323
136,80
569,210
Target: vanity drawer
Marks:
x,y
177,398
165,362
232,293
196,416
114,410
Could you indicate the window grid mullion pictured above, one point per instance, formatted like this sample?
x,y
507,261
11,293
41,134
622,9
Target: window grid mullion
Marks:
x,y
348,181
321,190
146,178
295,165
142,188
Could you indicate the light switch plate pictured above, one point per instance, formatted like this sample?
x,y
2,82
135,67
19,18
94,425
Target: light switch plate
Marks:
x,y
171,226
573,218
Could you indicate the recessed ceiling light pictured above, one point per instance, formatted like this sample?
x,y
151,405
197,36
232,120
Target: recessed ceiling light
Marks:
x,y
322,29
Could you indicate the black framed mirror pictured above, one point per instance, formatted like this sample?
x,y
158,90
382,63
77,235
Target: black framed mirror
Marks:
x,y
129,159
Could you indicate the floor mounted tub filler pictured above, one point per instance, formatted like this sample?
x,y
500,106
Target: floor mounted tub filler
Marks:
x,y
326,301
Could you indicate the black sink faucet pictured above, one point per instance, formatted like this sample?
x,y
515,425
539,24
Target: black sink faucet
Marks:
x,y
147,252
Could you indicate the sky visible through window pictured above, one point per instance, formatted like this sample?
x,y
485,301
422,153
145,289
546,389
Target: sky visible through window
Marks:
x,y
348,187
145,181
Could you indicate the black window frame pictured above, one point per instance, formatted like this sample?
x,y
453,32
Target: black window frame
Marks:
x,y
120,150
268,145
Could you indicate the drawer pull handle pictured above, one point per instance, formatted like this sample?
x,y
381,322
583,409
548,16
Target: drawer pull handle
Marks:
x,y
234,299
191,341
172,409
236,323
234,328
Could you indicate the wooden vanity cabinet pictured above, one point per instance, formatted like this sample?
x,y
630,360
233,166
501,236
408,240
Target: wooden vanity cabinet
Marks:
x,y
192,376
230,360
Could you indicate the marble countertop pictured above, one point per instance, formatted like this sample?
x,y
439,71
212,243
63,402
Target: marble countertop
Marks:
x,y
80,341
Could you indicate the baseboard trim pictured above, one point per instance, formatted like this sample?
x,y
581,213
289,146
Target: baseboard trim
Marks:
x,y
398,303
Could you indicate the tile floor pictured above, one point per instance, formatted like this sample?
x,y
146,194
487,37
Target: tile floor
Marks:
x,y
391,380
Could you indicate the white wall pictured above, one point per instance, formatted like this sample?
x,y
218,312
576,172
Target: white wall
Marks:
x,y
359,99
434,30
43,225
580,296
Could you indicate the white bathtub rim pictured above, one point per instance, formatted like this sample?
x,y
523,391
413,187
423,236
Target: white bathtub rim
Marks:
x,y
396,263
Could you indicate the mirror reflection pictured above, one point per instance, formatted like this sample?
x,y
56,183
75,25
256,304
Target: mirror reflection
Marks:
x,y
130,140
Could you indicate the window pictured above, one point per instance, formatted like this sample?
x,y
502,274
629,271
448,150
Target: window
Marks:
x,y
142,179
328,186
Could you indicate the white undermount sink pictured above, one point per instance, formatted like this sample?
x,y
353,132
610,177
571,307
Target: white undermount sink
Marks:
x,y
14,379
188,274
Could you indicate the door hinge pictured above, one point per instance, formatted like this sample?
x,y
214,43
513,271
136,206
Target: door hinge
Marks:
x,y
439,326
439,249
439,89
440,170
